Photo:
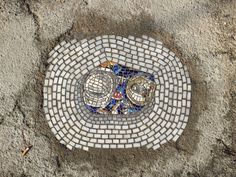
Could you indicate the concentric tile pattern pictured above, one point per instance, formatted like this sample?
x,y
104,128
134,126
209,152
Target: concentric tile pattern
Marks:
x,y
75,126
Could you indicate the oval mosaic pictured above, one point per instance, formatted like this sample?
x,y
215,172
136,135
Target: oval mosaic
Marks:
x,y
116,92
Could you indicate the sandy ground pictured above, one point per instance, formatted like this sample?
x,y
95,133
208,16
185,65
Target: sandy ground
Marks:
x,y
201,32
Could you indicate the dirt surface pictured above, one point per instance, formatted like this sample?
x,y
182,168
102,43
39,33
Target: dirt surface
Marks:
x,y
202,33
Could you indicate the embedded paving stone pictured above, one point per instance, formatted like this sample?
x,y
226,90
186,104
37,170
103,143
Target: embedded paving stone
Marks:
x,y
74,125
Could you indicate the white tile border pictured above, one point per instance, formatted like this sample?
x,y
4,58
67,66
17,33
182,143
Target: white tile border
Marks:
x,y
75,127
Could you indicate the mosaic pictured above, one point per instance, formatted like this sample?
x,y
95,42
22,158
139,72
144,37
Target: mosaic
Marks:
x,y
116,92
115,89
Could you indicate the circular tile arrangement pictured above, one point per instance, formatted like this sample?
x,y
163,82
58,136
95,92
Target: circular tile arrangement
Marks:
x,y
74,80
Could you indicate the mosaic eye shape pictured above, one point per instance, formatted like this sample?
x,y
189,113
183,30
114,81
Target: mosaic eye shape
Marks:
x,y
116,92
115,89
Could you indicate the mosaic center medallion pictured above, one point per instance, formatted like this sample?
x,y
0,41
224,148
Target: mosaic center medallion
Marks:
x,y
116,92
112,88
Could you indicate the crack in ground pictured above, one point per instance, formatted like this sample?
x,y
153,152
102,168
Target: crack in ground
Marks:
x,y
66,34
18,107
25,5
227,150
1,119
